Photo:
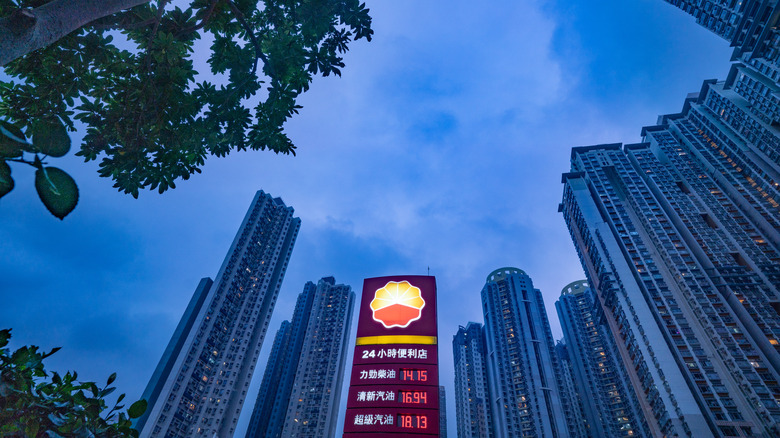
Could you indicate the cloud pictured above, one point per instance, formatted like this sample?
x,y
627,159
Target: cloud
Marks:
x,y
441,146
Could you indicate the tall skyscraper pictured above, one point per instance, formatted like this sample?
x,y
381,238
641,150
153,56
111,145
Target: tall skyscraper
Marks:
x,y
753,29
523,370
200,384
274,395
314,402
273,386
442,412
680,238
607,400
472,398
301,388
574,414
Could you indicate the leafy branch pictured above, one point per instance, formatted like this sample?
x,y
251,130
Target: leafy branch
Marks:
x,y
34,403
151,118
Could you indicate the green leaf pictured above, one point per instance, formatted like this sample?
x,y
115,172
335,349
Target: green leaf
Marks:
x,y
56,420
6,182
137,409
111,379
53,350
57,190
11,140
50,137
5,335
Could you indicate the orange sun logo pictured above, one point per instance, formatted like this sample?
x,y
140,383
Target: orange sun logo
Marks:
x,y
397,304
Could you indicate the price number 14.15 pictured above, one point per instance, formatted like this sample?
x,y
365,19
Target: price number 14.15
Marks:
x,y
414,375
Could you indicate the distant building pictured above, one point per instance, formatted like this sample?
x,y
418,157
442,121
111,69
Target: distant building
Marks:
x,y
472,398
574,414
753,84
314,402
200,383
270,409
608,402
264,417
523,370
442,413
679,237
753,29
301,388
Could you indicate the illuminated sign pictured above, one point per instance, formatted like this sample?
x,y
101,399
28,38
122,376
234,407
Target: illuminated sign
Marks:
x,y
394,384
397,304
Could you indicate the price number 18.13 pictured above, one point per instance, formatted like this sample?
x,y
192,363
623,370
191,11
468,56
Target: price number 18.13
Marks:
x,y
413,421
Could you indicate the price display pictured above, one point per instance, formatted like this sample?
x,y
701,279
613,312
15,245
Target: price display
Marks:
x,y
413,421
413,397
413,375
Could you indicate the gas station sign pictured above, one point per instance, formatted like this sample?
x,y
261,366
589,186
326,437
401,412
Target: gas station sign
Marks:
x,y
394,385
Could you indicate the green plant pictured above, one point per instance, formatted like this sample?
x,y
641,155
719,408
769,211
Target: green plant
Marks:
x,y
34,403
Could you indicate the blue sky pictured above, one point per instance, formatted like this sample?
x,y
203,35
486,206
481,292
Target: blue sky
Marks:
x,y
441,146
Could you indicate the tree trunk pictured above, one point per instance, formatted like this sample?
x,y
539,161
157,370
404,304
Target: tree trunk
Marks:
x,y
27,30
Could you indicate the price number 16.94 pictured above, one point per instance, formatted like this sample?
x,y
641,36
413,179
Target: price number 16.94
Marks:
x,y
414,397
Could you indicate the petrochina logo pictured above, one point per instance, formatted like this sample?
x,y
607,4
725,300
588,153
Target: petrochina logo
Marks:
x,y
397,304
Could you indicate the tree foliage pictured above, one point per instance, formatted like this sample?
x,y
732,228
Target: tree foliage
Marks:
x,y
33,405
151,117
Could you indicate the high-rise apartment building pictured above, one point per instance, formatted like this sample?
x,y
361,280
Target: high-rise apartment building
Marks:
x,y
575,416
442,412
751,26
606,398
264,417
270,408
316,393
472,398
200,384
301,388
680,238
753,29
523,370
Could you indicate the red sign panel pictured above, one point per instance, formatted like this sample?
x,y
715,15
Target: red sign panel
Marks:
x,y
394,385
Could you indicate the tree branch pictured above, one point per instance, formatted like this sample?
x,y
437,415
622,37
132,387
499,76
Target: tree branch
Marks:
x,y
248,29
258,50
97,25
28,30
203,22
160,12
